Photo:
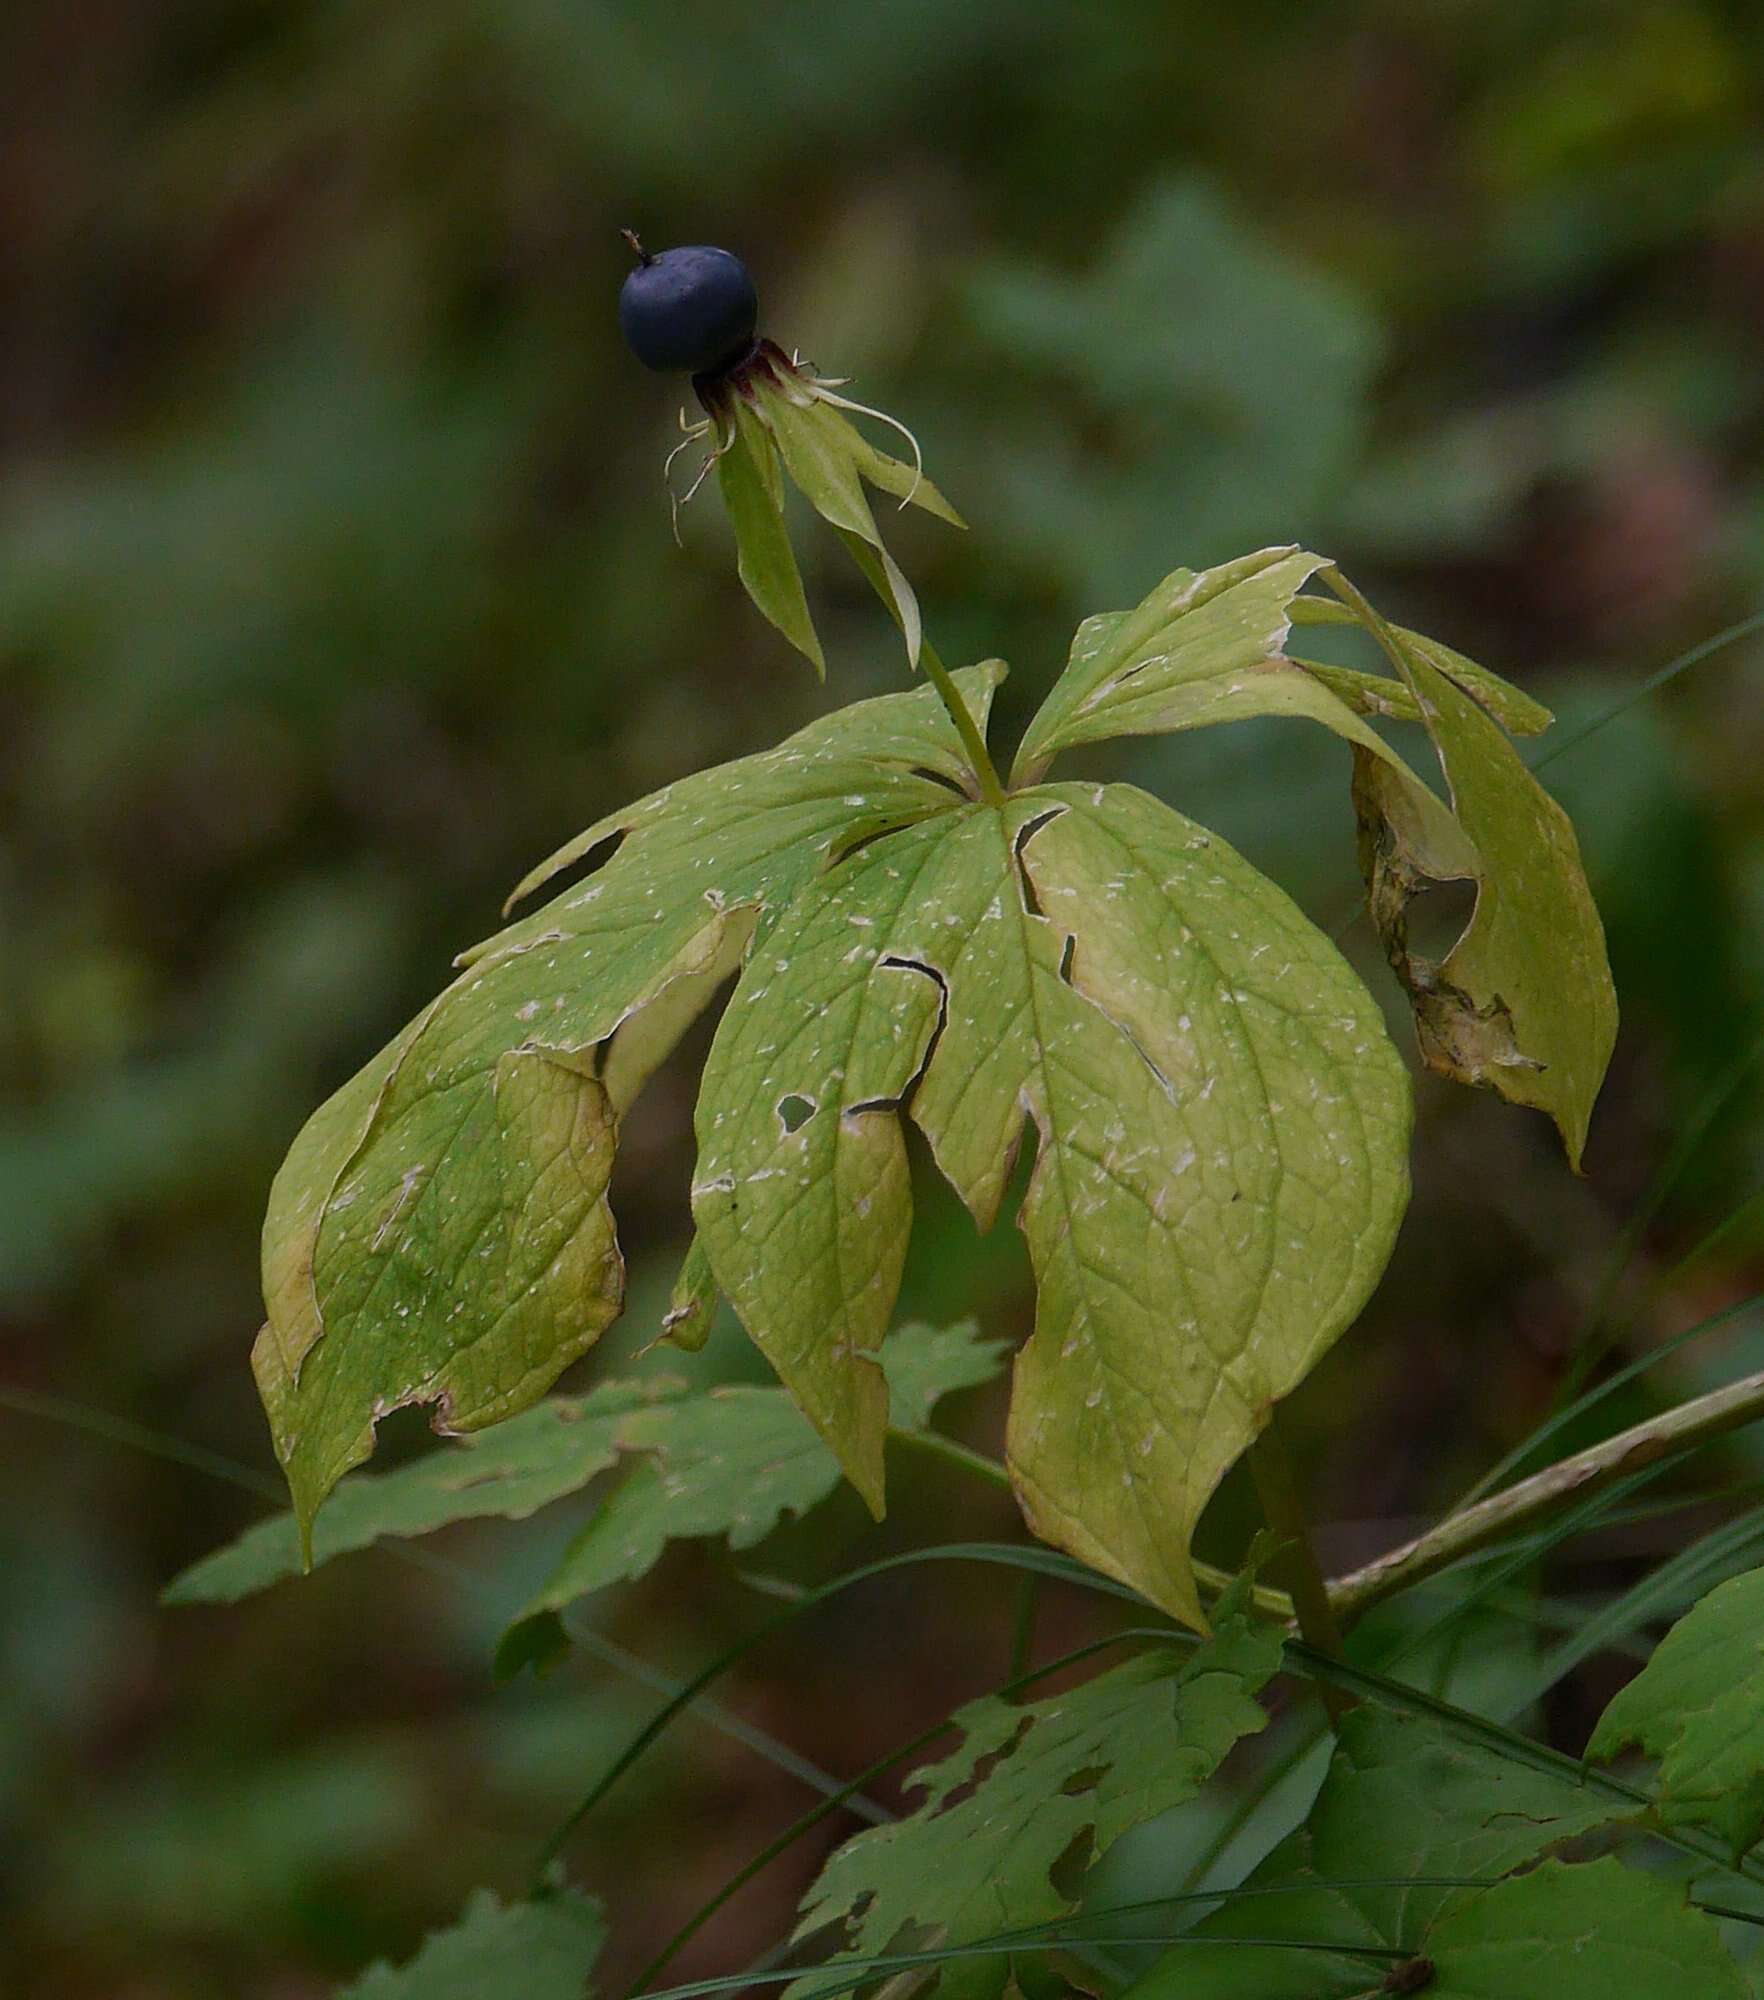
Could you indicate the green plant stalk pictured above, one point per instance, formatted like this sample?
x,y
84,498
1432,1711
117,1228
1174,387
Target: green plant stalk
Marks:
x,y
1283,1510
1502,1514
992,792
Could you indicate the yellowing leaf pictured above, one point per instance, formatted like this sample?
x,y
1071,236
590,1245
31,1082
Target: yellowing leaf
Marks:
x,y
1523,1003
439,1232
1222,1128
1203,650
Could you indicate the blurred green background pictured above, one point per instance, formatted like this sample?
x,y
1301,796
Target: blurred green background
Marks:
x,y
336,587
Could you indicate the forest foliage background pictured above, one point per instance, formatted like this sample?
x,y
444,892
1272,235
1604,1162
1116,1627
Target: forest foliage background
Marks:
x,y
336,587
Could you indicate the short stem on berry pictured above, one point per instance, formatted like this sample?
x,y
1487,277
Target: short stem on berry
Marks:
x,y
637,249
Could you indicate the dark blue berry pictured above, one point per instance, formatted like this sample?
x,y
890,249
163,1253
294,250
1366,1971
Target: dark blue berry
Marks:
x,y
691,309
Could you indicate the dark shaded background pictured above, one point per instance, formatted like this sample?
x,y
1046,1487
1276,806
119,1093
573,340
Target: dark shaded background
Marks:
x,y
336,586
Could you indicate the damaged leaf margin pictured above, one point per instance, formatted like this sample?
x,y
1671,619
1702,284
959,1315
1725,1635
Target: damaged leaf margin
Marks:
x,y
1221,1160
1523,1003
439,1232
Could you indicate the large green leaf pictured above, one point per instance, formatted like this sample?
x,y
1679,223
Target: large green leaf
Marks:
x,y
540,1949
1523,1002
1222,1128
1401,1801
1581,1933
733,1462
1698,1705
439,1232
1025,1787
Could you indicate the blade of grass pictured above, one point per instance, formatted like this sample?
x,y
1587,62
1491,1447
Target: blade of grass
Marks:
x,y
1004,1554
1692,656
1722,1552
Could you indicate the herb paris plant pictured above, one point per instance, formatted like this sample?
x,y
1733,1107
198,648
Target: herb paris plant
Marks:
x,y
1220,1127
1221,1122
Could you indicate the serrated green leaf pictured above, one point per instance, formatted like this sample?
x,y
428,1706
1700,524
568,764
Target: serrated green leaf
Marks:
x,y
1581,1932
540,1949
734,1462
910,486
764,558
439,1232
1400,1801
1523,1002
1222,1129
1033,1786
1698,1706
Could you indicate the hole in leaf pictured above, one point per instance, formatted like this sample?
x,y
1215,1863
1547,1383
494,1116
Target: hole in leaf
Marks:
x,y
941,778
1068,1872
936,1035
1025,833
1067,953
795,1112
1437,916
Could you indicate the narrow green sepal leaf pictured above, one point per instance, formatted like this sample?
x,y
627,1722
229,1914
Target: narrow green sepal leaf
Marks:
x,y
765,560
828,461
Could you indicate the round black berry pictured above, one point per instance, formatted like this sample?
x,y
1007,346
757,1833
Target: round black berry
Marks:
x,y
690,309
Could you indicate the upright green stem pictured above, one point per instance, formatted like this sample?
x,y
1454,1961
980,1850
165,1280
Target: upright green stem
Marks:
x,y
985,772
991,790
1282,1509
